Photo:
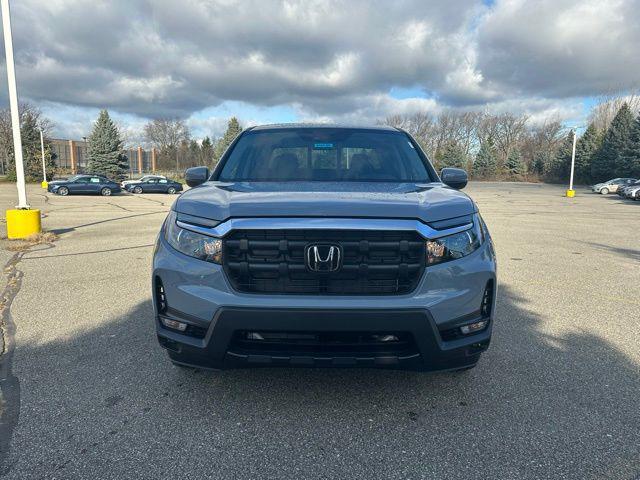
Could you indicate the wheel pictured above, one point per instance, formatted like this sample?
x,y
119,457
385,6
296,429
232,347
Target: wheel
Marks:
x,y
64,191
105,192
604,191
171,190
137,190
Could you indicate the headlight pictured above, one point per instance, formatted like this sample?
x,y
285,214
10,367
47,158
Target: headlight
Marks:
x,y
193,244
455,246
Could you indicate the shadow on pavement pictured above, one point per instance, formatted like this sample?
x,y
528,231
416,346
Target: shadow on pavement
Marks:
x,y
537,406
60,231
632,253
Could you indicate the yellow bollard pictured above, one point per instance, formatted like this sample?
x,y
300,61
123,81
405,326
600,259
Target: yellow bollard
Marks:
x,y
571,193
44,184
23,223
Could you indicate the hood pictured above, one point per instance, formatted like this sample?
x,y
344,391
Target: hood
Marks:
x,y
57,182
427,202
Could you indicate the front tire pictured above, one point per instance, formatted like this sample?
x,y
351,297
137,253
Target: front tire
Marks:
x,y
63,191
137,190
604,191
171,190
105,192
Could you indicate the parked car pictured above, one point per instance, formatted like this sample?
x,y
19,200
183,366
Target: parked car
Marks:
x,y
142,179
633,192
84,184
155,185
612,185
623,190
324,246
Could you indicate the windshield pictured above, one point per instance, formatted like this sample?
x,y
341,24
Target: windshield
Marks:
x,y
325,154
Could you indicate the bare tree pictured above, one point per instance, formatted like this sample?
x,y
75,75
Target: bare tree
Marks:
x,y
166,133
541,141
607,108
468,130
487,128
419,125
510,129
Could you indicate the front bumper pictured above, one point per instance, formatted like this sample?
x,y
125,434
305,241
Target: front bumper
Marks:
x,y
198,294
219,349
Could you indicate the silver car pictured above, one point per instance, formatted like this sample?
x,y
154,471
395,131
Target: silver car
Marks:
x,y
612,185
632,192
141,180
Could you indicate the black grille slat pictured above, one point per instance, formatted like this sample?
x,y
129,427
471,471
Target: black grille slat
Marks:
x,y
324,343
374,262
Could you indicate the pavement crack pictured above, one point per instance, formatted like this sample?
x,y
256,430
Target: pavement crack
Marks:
x,y
9,383
120,207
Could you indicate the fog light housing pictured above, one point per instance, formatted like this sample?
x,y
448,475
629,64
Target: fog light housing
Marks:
x,y
385,338
473,327
173,324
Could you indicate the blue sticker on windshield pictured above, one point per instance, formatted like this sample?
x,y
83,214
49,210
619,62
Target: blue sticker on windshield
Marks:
x,y
323,145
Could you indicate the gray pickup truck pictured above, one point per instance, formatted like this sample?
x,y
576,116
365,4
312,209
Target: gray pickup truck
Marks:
x,y
324,246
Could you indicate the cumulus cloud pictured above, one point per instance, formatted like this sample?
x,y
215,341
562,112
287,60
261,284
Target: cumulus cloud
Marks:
x,y
560,48
323,59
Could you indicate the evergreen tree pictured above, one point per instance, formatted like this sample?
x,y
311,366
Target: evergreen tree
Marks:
x,y
233,130
586,148
608,162
31,151
486,163
631,154
206,151
514,164
194,153
540,161
557,169
104,151
453,156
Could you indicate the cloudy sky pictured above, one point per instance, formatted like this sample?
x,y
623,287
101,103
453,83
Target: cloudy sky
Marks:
x,y
317,60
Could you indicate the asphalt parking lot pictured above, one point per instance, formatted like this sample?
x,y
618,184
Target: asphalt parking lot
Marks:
x,y
88,393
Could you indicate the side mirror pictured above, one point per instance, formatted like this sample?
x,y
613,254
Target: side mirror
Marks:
x,y
454,177
196,176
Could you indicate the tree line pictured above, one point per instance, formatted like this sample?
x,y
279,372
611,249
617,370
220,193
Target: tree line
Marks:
x,y
32,122
488,146
511,147
177,150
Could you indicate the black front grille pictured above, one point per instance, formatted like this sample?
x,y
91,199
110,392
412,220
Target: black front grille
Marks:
x,y
373,262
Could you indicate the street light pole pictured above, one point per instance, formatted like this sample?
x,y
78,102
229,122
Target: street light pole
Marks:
x,y
44,168
571,192
13,103
22,222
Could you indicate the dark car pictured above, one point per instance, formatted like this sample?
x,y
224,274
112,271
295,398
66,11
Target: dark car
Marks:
x,y
155,185
84,184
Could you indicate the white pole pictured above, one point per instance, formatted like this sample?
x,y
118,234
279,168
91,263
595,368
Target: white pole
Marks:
x,y
13,103
573,159
44,169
